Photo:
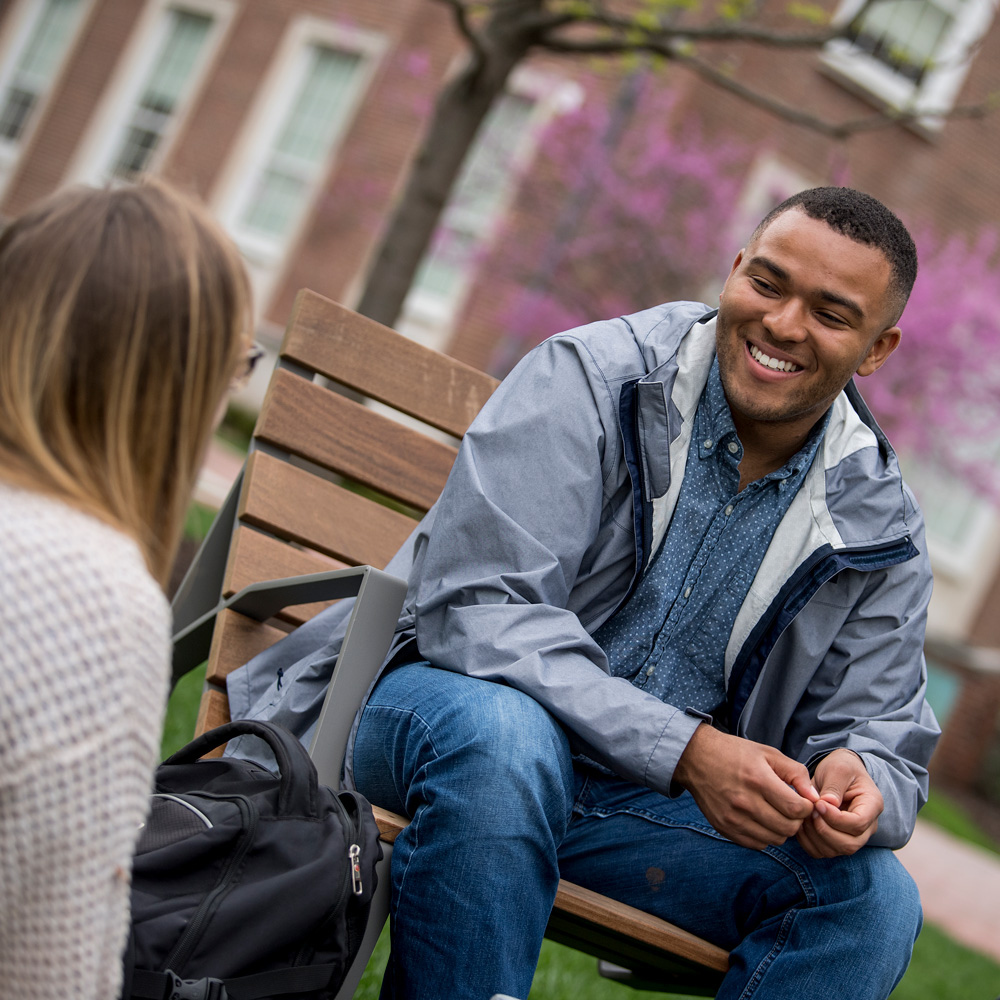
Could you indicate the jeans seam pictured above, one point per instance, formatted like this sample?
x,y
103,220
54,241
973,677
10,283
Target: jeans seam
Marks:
x,y
412,829
765,963
653,818
801,875
428,735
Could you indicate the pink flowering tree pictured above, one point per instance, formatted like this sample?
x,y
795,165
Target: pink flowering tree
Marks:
x,y
646,209
631,208
938,396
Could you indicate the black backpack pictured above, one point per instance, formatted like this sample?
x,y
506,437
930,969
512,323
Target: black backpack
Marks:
x,y
248,884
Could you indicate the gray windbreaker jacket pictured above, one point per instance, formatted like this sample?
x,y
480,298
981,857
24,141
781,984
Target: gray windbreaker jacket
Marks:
x,y
561,493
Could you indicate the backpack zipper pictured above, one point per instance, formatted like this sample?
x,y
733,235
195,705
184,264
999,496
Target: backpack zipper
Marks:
x,y
182,950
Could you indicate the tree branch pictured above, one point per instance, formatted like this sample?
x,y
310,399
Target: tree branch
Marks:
x,y
842,130
624,35
460,11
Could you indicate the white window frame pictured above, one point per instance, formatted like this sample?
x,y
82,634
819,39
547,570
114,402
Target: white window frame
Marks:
x,y
428,317
768,178
94,161
956,558
22,20
939,88
265,255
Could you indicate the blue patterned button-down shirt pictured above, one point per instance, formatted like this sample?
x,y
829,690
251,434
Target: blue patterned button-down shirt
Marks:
x,y
670,639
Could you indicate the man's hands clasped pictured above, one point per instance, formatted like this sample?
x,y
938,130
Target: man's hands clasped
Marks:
x,y
756,796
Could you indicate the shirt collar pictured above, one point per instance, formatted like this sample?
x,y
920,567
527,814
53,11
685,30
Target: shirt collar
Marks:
x,y
713,422
714,428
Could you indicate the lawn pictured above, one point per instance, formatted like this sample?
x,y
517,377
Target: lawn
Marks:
x,y
940,970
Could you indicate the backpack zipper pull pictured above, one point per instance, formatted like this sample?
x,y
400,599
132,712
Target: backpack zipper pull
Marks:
x,y
354,853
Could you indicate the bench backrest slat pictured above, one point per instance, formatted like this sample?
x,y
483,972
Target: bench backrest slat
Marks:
x,y
363,532
325,336
336,481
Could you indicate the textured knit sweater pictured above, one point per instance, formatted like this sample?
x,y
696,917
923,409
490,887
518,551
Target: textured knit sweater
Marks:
x,y
84,662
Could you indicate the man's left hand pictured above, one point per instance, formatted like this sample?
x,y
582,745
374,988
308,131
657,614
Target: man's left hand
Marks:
x,y
848,809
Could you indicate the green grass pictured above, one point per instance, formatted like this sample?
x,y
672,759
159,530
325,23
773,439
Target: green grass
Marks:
x,y
948,815
237,427
182,711
940,970
198,520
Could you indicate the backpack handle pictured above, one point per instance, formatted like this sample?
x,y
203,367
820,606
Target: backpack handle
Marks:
x,y
299,784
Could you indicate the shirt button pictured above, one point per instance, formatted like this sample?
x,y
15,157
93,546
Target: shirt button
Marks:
x,y
728,510
650,669
687,593
707,443
733,447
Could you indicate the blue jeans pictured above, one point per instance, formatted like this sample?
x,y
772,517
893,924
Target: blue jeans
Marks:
x,y
500,811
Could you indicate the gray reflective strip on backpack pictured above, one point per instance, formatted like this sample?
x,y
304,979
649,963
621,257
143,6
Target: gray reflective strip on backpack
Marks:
x,y
187,805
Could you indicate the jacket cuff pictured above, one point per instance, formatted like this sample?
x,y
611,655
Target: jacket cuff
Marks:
x,y
672,742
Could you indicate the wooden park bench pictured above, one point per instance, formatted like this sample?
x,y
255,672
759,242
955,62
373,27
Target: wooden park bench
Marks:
x,y
331,488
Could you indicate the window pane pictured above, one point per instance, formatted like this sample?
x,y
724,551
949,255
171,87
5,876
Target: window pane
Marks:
x,y
173,67
442,269
275,205
49,39
904,34
316,115
135,154
485,174
15,113
314,120
176,61
475,200
37,64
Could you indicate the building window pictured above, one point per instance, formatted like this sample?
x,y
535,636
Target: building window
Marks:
x,y
42,43
912,55
475,203
303,109
294,159
155,81
958,519
172,69
504,147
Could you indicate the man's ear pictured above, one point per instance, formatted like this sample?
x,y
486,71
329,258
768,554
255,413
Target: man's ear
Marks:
x,y
885,343
736,264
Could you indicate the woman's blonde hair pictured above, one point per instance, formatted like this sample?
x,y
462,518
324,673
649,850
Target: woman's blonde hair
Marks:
x,y
123,316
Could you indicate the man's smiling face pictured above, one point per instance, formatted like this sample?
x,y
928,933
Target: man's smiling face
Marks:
x,y
803,309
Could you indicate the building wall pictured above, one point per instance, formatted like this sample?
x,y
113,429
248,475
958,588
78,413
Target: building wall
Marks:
x,y
329,250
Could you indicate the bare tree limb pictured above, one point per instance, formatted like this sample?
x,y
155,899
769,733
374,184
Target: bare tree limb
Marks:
x,y
460,11
886,118
624,37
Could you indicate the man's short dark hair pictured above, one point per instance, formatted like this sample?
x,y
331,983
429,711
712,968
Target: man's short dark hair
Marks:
x,y
864,219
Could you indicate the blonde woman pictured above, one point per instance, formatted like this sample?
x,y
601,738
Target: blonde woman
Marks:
x,y
124,318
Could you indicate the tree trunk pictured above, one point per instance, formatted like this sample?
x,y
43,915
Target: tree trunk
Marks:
x,y
458,113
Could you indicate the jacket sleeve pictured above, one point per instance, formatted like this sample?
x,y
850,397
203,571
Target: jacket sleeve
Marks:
x,y
516,526
868,694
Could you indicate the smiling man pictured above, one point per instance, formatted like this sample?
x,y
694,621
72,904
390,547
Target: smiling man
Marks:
x,y
663,638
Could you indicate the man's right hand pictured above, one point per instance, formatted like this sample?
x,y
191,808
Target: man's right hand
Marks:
x,y
751,793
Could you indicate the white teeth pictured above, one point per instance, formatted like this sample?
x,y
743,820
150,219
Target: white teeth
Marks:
x,y
773,363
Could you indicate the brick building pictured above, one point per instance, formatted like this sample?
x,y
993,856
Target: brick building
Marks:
x,y
295,120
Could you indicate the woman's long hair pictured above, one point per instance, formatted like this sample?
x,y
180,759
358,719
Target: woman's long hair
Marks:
x,y
123,316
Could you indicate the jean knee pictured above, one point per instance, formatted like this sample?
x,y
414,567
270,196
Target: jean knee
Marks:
x,y
468,741
502,737
884,896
